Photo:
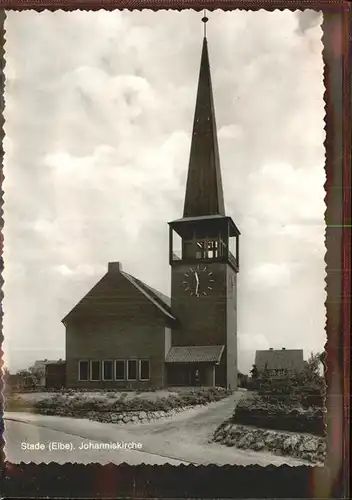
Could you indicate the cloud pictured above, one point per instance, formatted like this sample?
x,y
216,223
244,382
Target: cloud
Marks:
x,y
230,132
268,275
80,270
99,112
307,20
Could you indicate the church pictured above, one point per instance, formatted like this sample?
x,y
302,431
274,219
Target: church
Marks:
x,y
124,334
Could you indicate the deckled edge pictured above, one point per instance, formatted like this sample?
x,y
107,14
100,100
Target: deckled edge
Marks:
x,y
178,5
347,245
328,5
336,32
2,123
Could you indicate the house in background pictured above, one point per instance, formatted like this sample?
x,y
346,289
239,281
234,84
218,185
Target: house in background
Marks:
x,y
39,370
279,362
126,334
55,375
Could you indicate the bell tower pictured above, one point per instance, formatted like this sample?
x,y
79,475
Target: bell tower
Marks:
x,y
204,246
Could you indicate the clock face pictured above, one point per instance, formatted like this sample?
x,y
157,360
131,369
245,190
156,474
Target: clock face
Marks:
x,y
198,281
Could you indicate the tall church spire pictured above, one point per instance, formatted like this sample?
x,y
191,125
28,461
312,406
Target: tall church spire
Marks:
x,y
204,193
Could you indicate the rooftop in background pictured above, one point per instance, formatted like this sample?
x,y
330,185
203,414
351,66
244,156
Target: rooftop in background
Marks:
x,y
43,362
280,359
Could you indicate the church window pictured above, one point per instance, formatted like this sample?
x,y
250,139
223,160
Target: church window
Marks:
x,y
119,369
108,370
83,370
132,369
144,369
95,367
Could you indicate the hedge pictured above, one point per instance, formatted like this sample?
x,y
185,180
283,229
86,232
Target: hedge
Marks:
x,y
267,413
308,390
79,403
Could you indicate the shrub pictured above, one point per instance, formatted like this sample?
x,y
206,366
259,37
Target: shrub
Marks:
x,y
277,414
306,388
78,403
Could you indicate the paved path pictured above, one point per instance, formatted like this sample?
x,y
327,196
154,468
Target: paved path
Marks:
x,y
17,432
183,438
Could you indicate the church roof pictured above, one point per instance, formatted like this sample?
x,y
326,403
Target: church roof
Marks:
x,y
195,354
279,359
163,302
208,219
204,193
104,293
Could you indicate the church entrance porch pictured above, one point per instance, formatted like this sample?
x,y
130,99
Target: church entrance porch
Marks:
x,y
191,374
193,365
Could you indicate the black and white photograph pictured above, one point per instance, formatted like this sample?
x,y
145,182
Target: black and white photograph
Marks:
x,y
164,238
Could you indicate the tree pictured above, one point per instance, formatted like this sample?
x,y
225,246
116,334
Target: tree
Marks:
x,y
254,372
5,372
4,376
28,378
313,367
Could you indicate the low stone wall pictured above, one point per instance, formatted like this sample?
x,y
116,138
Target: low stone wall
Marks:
x,y
303,446
131,417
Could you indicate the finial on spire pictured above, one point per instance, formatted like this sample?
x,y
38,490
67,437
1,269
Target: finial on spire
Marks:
x,y
205,20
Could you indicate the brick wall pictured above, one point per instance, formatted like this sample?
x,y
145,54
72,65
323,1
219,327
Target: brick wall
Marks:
x,y
118,322
209,320
231,325
202,319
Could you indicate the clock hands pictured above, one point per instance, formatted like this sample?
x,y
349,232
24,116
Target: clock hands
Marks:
x,y
197,282
198,274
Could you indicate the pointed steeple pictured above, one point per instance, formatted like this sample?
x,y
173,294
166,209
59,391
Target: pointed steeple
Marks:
x,y
204,193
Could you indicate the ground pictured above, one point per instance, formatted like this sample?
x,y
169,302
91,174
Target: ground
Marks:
x,y
183,438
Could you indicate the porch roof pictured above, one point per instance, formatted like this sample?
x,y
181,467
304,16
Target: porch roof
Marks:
x,y
195,354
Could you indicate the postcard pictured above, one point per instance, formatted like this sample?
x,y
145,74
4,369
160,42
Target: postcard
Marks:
x,y
164,238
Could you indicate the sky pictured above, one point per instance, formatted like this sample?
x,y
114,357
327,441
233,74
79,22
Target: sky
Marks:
x,y
99,113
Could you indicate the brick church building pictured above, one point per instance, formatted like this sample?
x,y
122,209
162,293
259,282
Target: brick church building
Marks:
x,y
124,334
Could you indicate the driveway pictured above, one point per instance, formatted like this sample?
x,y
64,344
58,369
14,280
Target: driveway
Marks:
x,y
183,438
79,450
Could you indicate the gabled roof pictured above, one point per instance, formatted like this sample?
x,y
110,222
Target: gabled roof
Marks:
x,y
157,298
94,298
195,354
280,359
